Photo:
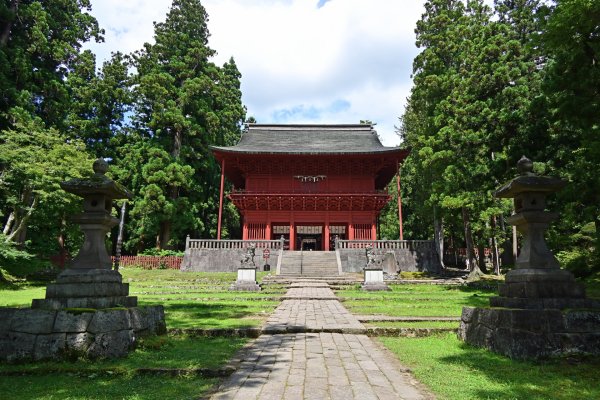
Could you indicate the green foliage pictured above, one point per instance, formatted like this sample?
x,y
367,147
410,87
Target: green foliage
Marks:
x,y
489,86
183,104
160,252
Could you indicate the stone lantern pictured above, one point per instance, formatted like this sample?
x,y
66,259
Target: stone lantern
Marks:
x,y
87,312
542,310
537,273
89,281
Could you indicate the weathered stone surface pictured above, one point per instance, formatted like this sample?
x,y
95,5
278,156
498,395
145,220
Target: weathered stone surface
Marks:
x,y
156,319
6,315
243,286
582,321
85,302
33,321
16,346
211,260
467,314
112,344
110,321
78,343
70,322
98,289
526,333
49,346
423,258
140,318
73,275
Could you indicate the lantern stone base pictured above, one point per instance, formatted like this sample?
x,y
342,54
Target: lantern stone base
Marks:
x,y
374,280
86,288
530,334
246,281
38,334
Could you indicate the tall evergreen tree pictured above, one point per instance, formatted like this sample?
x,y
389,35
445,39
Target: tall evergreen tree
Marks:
x,y
184,104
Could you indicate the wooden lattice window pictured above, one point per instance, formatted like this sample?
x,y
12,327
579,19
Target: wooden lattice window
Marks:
x,y
257,231
362,231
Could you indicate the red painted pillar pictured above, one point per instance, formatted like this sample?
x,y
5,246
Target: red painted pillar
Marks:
x,y
268,231
245,230
399,196
327,235
221,199
292,235
373,231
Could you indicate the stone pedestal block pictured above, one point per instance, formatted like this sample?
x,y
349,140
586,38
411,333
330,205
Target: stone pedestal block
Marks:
x,y
37,334
526,334
373,280
246,280
86,288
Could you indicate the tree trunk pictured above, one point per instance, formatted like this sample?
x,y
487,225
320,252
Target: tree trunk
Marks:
x,y
18,234
120,236
495,254
471,264
481,258
515,245
438,235
9,23
164,235
62,251
9,223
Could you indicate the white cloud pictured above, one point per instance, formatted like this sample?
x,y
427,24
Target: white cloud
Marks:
x,y
341,62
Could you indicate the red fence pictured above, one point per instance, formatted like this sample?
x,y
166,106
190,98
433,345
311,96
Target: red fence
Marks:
x,y
151,262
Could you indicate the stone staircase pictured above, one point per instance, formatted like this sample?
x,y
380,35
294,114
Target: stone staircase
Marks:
x,y
309,264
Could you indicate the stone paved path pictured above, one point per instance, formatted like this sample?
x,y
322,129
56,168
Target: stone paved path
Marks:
x,y
318,356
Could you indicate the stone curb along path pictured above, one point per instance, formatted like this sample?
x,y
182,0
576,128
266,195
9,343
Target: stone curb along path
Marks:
x,y
334,360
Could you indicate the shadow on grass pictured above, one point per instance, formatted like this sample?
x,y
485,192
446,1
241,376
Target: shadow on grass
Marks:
x,y
214,314
559,378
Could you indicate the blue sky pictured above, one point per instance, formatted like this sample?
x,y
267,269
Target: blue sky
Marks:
x,y
302,61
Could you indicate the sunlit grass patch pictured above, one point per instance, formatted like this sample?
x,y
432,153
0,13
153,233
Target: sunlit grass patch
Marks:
x,y
456,371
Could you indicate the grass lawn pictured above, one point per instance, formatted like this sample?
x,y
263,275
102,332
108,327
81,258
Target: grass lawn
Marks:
x,y
413,324
456,371
100,387
191,300
450,368
416,300
118,379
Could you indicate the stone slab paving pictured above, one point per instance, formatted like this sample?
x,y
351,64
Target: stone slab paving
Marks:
x,y
324,359
319,366
309,284
310,293
312,316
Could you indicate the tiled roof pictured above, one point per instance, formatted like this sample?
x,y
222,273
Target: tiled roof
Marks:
x,y
308,139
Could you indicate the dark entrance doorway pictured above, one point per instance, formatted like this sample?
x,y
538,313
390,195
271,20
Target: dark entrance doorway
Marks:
x,y
309,237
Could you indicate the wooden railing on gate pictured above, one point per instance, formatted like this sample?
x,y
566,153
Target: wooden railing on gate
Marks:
x,y
385,244
231,244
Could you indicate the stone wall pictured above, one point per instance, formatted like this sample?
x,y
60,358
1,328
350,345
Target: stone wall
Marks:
x,y
419,259
522,334
36,334
222,260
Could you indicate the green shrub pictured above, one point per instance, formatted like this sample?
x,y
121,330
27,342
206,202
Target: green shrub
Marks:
x,y
579,261
161,253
